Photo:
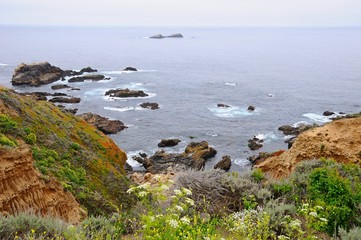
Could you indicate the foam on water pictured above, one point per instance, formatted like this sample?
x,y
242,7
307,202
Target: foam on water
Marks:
x,y
108,98
123,109
297,124
317,118
267,137
230,84
131,161
232,112
242,162
3,64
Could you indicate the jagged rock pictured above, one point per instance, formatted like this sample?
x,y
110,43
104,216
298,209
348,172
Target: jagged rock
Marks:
x,y
221,105
127,167
168,142
255,143
261,156
36,74
328,113
87,77
65,100
124,93
59,86
103,124
176,35
158,36
68,110
139,159
150,105
224,164
88,70
251,108
289,130
200,150
143,155
131,69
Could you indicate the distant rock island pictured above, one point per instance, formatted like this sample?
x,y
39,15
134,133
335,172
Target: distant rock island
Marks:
x,y
160,36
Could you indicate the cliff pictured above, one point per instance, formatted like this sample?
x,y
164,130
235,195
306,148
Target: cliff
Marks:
x,y
47,155
339,140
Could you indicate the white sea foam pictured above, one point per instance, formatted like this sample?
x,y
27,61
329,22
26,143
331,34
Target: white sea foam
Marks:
x,y
317,118
297,124
108,98
230,84
212,134
3,64
242,162
131,161
123,109
232,112
267,137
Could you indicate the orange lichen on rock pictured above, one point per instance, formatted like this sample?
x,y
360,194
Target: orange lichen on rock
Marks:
x,y
339,140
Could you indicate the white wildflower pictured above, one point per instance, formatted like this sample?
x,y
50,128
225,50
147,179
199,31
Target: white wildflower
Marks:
x,y
178,208
171,181
295,223
151,218
144,186
177,192
173,223
164,188
130,190
185,220
142,194
189,201
313,214
323,219
187,191
282,237
319,207
206,238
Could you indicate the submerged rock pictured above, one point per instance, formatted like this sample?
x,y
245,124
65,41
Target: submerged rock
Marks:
x,y
131,69
224,164
124,93
169,142
88,77
150,105
103,124
221,105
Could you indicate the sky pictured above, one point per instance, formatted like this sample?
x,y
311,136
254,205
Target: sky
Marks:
x,y
244,13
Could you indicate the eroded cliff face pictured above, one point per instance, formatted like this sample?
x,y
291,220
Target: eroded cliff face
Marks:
x,y
339,140
23,189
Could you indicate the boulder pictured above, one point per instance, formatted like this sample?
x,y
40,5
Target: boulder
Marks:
x,y
127,167
60,86
200,150
289,130
176,35
72,111
124,93
88,70
103,124
328,113
87,77
150,105
168,142
251,108
65,100
158,36
130,69
224,164
255,143
36,74
221,105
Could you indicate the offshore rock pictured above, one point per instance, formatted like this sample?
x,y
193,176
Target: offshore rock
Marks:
x,y
224,164
88,70
328,113
131,69
87,77
158,36
60,86
221,105
169,142
65,100
125,93
251,108
255,143
176,35
103,124
152,106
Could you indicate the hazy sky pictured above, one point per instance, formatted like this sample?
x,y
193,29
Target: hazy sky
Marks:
x,y
182,12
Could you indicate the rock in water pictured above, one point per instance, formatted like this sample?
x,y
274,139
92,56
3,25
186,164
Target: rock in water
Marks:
x,y
251,108
328,113
60,86
224,164
103,124
124,93
158,36
150,105
176,35
221,105
88,70
130,69
87,77
168,142
36,74
255,143
65,100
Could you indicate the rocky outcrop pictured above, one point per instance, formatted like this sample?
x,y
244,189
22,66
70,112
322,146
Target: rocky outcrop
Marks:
x,y
23,189
65,100
175,35
149,105
255,143
88,70
328,113
251,108
290,130
339,140
169,142
221,105
130,69
224,164
103,124
125,93
88,78
59,86
158,36
193,158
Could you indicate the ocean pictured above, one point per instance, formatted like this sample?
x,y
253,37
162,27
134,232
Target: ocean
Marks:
x,y
290,76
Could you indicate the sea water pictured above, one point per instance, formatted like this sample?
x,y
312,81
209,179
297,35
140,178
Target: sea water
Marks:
x,y
290,75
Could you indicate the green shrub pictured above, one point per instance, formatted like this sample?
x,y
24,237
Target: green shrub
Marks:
x,y
30,138
44,158
258,175
5,141
75,146
7,124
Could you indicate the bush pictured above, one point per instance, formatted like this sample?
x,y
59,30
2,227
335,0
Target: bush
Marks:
x,y
258,175
6,124
30,138
352,234
5,141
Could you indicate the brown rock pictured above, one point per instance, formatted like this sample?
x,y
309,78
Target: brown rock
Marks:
x,y
103,124
221,105
87,77
224,164
65,100
150,105
59,86
88,70
255,143
168,142
328,113
124,93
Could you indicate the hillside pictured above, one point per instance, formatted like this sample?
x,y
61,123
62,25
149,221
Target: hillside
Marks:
x,y
339,140
69,156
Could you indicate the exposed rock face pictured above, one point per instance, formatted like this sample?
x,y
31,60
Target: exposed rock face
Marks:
x,y
23,189
65,100
125,93
36,74
224,164
255,143
194,157
150,105
339,140
87,77
169,142
221,105
131,69
103,124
